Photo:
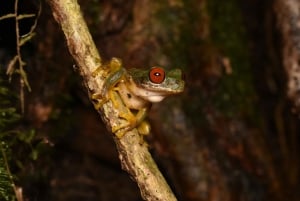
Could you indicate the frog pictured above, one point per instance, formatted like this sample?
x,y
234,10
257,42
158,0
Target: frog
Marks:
x,y
132,92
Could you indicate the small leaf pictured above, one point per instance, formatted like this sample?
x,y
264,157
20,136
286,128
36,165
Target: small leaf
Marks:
x,y
24,77
26,38
34,154
11,66
27,137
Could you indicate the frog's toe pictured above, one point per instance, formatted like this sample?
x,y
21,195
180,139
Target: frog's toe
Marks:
x,y
144,128
98,100
120,133
121,129
99,103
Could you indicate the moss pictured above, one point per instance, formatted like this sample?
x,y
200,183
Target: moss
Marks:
x,y
193,34
236,93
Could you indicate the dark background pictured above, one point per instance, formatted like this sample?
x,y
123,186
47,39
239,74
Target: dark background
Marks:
x,y
231,136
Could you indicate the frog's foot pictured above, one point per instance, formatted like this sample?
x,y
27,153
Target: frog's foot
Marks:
x,y
129,124
132,122
143,129
135,119
120,133
98,100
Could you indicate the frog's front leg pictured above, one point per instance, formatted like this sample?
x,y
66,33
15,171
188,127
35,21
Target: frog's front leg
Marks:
x,y
115,75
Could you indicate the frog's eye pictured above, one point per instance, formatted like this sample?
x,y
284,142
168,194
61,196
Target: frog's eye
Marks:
x,y
157,75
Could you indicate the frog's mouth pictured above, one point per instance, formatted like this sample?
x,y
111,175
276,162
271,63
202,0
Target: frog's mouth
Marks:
x,y
149,95
153,98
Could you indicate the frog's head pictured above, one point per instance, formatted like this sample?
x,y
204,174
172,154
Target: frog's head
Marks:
x,y
155,84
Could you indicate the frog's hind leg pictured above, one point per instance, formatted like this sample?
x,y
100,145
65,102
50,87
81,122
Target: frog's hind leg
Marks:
x,y
133,120
124,113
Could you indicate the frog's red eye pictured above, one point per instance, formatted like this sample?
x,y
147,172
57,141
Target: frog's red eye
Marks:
x,y
157,75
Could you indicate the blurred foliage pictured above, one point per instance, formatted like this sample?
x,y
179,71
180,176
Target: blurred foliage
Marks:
x,y
6,190
12,136
8,117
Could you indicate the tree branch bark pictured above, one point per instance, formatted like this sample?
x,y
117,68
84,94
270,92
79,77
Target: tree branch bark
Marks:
x,y
134,155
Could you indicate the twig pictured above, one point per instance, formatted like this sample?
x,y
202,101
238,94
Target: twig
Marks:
x,y
19,56
20,41
134,155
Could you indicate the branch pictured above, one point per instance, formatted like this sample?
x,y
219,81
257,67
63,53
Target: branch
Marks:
x,y
134,155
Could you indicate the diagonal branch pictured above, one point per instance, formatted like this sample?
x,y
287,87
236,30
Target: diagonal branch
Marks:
x,y
134,155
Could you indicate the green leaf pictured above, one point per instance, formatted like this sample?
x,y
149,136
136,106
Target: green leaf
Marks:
x,y
11,66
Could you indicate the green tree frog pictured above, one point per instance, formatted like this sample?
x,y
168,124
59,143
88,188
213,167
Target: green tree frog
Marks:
x,y
132,92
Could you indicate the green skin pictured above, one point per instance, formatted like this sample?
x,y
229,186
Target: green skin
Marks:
x,y
133,92
172,84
